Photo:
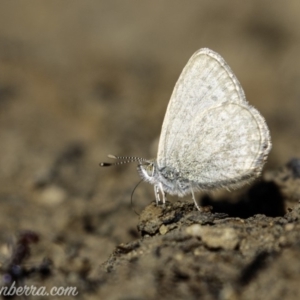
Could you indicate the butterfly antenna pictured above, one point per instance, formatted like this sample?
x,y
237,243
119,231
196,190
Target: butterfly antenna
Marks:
x,y
122,160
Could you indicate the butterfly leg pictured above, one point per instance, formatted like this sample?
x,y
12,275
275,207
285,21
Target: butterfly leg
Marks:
x,y
158,188
163,194
156,192
196,204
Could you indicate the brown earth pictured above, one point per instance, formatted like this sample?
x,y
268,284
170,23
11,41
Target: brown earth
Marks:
x,y
81,79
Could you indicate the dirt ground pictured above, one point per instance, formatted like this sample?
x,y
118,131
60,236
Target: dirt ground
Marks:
x,y
82,79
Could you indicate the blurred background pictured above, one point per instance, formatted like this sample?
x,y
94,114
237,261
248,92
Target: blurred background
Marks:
x,y
82,79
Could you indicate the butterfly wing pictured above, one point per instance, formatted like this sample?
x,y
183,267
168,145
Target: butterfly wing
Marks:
x,y
210,133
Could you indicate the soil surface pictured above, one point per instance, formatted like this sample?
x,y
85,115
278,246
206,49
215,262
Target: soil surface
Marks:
x,y
82,79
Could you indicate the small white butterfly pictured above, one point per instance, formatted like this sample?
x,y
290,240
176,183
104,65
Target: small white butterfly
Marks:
x,y
211,137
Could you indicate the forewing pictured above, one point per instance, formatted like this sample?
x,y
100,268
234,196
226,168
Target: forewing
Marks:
x,y
206,81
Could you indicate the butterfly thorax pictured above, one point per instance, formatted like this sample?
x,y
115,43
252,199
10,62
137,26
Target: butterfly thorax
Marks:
x,y
171,180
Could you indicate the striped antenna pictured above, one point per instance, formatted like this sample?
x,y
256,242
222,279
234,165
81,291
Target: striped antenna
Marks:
x,y
124,160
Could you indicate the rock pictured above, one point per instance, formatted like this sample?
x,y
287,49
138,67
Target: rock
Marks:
x,y
224,238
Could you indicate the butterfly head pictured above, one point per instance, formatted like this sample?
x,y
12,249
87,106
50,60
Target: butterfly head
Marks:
x,y
148,171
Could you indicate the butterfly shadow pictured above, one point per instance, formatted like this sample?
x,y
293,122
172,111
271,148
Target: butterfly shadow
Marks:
x,y
262,198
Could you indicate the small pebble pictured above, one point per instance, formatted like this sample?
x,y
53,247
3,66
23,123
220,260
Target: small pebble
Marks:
x,y
163,229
